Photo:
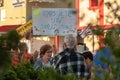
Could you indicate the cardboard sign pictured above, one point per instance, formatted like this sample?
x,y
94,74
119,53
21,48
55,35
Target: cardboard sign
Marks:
x,y
54,21
24,28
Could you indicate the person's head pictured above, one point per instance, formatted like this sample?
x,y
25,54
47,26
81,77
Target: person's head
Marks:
x,y
46,51
70,41
23,47
88,57
54,49
35,55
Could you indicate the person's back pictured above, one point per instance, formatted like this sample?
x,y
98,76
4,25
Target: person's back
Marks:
x,y
102,59
104,53
69,61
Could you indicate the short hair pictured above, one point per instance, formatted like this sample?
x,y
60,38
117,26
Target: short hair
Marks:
x,y
44,48
22,46
70,40
35,53
88,54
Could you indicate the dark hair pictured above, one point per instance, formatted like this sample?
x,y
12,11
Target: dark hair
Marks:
x,y
44,48
88,54
22,46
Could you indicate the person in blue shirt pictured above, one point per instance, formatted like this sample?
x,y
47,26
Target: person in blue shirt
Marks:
x,y
102,59
45,57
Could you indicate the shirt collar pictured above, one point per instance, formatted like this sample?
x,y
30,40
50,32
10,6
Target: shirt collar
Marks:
x,y
70,50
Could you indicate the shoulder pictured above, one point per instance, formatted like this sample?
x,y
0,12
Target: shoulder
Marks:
x,y
39,59
60,54
38,62
57,57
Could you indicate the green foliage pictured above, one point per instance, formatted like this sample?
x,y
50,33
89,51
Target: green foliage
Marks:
x,y
111,39
9,75
26,72
13,38
116,51
7,41
5,57
97,31
3,44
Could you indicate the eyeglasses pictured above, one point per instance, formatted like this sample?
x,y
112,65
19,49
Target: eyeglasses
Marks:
x,y
49,52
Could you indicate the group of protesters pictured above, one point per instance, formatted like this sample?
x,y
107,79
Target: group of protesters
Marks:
x,y
68,61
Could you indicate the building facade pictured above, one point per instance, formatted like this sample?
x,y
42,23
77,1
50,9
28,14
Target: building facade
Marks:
x,y
104,13
13,12
19,12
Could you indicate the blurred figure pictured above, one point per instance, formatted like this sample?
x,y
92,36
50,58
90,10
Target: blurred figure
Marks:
x,y
21,50
69,61
34,57
26,56
53,50
81,47
18,56
64,46
89,61
15,60
103,59
45,57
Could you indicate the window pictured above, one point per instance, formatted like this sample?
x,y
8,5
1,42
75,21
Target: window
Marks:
x,y
93,4
3,15
1,3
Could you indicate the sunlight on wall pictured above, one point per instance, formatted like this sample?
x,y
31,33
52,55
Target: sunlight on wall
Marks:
x,y
89,42
84,3
41,38
112,12
87,16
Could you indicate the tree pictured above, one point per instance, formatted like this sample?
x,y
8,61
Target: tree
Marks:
x,y
7,42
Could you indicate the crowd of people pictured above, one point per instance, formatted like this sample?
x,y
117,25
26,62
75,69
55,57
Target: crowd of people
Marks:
x,y
68,61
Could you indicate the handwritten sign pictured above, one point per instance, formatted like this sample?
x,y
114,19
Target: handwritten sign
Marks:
x,y
54,21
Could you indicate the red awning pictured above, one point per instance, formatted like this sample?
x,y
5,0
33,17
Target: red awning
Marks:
x,y
7,28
